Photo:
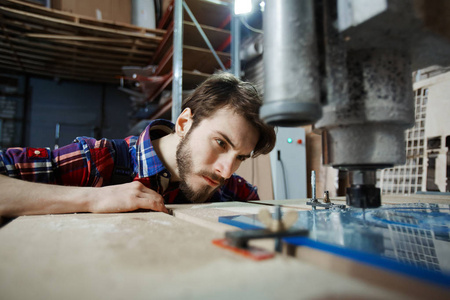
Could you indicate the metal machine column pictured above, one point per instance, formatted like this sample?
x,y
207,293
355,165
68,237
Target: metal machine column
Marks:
x,y
177,82
235,45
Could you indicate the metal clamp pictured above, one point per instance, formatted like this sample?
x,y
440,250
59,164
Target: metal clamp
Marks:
x,y
314,202
276,228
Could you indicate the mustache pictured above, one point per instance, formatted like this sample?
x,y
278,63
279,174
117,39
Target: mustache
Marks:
x,y
213,176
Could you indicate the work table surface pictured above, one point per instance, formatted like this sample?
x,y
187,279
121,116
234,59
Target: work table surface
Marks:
x,y
151,255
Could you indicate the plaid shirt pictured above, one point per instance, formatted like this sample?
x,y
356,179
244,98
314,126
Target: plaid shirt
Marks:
x,y
90,162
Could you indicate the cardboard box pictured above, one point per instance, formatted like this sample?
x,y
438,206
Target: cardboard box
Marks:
x,y
111,10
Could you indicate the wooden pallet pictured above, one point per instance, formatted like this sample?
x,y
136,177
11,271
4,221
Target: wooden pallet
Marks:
x,y
40,41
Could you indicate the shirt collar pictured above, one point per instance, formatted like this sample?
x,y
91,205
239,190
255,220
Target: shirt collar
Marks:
x,y
148,163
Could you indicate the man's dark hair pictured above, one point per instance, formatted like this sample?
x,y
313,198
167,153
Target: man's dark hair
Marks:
x,y
225,90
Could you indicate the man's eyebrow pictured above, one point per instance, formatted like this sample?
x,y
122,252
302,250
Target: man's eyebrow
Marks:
x,y
226,138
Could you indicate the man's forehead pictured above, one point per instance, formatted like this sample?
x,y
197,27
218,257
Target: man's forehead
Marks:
x,y
234,128
226,121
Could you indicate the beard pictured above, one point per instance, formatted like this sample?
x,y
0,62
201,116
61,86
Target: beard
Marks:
x,y
185,168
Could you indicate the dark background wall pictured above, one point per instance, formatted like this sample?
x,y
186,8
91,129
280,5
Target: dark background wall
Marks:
x,y
81,109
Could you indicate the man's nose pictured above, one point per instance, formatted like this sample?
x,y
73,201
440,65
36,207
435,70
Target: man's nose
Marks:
x,y
225,166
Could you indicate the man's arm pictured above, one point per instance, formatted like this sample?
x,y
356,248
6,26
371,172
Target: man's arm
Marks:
x,y
20,197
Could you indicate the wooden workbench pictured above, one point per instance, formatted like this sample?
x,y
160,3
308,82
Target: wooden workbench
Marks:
x,y
156,256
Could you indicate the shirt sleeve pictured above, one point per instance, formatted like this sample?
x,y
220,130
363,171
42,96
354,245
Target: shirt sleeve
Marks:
x,y
237,188
86,162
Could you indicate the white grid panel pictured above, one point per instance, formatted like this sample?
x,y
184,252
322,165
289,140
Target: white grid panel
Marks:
x,y
407,179
414,246
410,243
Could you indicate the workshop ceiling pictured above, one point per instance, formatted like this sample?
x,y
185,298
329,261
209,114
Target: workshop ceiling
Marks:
x,y
40,41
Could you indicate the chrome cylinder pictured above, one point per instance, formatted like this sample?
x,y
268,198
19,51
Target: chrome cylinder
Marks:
x,y
291,94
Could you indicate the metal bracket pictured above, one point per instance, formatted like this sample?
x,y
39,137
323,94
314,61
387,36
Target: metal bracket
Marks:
x,y
314,203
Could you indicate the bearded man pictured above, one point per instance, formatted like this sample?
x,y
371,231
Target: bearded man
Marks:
x,y
191,161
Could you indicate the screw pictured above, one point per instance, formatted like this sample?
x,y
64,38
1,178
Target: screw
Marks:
x,y
326,197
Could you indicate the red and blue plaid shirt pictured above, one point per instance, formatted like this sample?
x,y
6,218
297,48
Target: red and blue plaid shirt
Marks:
x,y
90,162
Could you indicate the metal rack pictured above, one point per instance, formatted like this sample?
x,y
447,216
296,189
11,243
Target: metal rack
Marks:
x,y
177,71
197,42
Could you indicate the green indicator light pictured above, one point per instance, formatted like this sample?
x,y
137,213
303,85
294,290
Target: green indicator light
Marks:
x,y
289,140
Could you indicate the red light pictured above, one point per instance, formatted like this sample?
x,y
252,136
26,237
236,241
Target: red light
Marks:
x,y
299,141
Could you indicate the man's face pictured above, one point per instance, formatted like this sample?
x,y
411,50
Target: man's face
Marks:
x,y
212,151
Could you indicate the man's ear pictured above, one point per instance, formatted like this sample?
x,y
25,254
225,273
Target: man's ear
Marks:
x,y
184,122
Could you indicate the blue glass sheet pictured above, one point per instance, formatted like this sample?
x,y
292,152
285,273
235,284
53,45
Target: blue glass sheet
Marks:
x,y
412,239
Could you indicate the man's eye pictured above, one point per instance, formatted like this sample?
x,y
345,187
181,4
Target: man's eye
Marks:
x,y
220,143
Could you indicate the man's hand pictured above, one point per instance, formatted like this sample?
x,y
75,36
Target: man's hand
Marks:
x,y
18,198
126,197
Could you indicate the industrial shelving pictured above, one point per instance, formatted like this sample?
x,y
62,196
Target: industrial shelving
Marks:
x,y
39,41
42,41
202,51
